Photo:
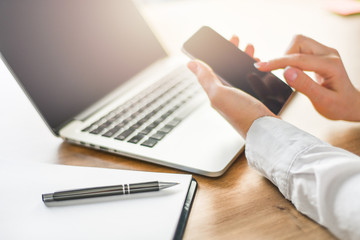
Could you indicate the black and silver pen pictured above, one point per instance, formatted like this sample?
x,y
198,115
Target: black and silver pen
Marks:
x,y
106,191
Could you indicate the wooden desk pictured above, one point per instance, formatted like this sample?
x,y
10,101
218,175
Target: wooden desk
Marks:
x,y
241,204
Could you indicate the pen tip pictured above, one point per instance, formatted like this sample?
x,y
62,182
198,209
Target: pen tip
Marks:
x,y
163,185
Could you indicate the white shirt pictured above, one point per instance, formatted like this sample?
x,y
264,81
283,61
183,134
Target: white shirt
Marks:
x,y
322,181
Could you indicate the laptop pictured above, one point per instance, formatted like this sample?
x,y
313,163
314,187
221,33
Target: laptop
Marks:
x,y
99,78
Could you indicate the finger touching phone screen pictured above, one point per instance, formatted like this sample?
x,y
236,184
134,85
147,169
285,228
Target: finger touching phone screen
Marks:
x,y
235,68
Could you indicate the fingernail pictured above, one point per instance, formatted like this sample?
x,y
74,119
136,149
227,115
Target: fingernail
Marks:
x,y
290,74
193,66
260,64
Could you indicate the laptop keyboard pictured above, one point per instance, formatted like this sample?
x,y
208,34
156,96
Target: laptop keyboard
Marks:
x,y
152,114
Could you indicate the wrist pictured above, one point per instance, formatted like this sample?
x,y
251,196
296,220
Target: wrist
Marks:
x,y
260,114
258,121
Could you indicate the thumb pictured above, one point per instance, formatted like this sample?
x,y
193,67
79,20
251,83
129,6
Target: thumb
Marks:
x,y
207,78
301,82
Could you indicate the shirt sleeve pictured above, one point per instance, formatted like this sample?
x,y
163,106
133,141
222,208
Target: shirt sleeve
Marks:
x,y
322,181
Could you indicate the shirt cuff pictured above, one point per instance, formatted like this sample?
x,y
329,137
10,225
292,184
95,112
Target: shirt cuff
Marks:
x,y
272,146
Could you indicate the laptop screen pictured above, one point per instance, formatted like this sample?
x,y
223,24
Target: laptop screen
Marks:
x,y
68,54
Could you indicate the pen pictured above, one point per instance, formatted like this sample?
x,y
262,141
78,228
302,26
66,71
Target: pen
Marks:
x,y
122,189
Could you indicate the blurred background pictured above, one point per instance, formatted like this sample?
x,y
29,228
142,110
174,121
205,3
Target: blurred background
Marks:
x,y
269,25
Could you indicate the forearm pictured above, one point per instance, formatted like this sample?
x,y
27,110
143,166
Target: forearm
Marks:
x,y
322,181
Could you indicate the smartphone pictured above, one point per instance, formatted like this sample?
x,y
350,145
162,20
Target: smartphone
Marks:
x,y
235,68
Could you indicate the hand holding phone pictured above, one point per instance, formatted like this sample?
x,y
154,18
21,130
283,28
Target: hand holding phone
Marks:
x,y
236,68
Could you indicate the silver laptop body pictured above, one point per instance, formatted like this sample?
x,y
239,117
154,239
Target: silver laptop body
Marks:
x,y
99,78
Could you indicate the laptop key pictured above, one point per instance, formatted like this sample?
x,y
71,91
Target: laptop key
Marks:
x,y
153,124
158,136
105,124
174,122
111,132
166,129
121,124
149,115
87,129
149,143
142,121
146,130
97,130
125,121
167,114
125,134
136,138
136,125
134,115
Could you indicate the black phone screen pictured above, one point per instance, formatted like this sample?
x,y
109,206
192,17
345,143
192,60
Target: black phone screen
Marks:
x,y
236,68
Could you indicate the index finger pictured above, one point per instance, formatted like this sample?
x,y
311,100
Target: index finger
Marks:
x,y
306,62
